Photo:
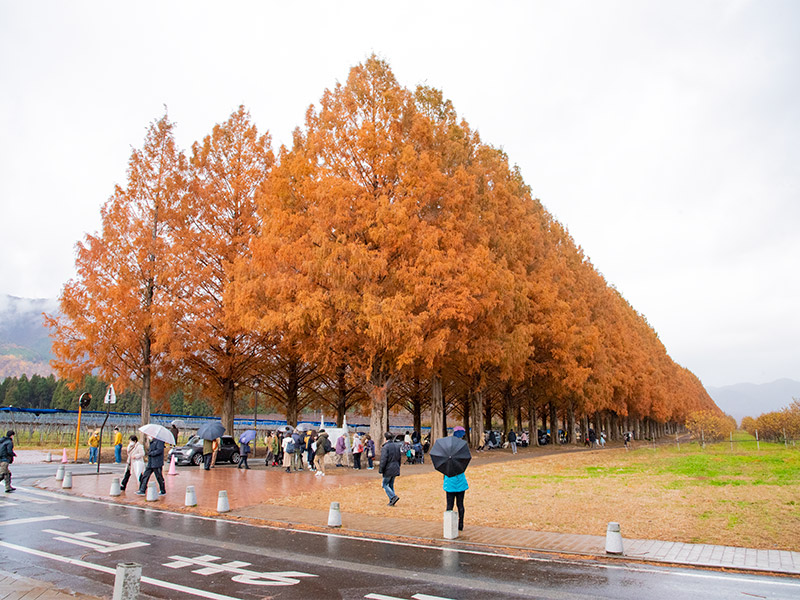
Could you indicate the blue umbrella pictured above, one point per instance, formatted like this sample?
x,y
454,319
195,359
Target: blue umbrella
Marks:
x,y
211,430
247,437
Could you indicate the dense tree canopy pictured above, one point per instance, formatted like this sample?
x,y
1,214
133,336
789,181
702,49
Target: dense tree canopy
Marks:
x,y
388,258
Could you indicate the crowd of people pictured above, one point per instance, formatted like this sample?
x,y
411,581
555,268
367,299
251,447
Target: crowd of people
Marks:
x,y
297,450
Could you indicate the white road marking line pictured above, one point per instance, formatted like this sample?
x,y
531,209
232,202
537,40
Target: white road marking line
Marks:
x,y
108,570
53,495
414,597
241,575
84,538
665,570
32,520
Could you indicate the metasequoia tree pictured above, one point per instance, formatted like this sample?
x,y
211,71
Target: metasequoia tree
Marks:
x,y
114,310
344,235
209,347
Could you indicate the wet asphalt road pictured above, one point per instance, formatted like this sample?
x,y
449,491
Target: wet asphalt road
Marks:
x,y
76,543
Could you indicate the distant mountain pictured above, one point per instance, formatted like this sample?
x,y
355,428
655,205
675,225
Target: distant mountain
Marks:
x,y
24,341
751,400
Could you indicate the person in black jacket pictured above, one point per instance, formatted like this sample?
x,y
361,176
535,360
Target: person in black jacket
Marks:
x,y
390,466
6,458
155,462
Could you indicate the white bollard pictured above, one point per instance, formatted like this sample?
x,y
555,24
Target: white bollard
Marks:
x,y
67,483
116,490
450,524
60,473
191,497
613,539
49,457
126,581
152,492
334,515
222,502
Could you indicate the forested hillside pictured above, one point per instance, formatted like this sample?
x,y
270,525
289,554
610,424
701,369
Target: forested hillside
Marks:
x,y
24,340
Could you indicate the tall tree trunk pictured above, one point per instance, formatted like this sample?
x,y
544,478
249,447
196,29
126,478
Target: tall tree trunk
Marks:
x,y
416,402
508,409
465,412
486,411
146,379
228,398
341,394
476,423
554,437
292,392
378,390
437,408
571,421
533,434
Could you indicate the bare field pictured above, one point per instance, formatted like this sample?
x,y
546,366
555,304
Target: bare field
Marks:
x,y
713,496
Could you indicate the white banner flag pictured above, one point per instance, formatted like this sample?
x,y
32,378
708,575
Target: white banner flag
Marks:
x,y
111,397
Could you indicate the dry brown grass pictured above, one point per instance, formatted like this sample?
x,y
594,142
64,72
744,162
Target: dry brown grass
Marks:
x,y
581,492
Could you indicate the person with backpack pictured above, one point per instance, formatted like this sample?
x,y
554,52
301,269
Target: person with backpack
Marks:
x,y
512,441
324,446
288,452
7,455
299,448
369,448
243,456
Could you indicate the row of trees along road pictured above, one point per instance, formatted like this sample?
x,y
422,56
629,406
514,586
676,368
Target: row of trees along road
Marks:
x,y
388,258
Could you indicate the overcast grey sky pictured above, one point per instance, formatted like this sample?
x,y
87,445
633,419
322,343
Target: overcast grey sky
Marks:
x,y
664,135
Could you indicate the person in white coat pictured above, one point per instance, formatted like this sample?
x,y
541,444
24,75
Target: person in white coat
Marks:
x,y
135,462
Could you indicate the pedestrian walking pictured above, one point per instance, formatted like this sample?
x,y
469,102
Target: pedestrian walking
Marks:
x,y
94,443
155,462
324,446
358,448
243,456
117,445
134,462
7,455
369,449
592,438
389,466
512,441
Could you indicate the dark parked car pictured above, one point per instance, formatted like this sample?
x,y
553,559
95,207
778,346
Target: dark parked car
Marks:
x,y
192,452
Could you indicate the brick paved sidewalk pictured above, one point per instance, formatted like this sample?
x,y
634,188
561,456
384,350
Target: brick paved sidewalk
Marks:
x,y
14,587
249,490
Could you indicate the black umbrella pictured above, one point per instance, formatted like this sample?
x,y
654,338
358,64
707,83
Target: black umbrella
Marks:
x,y
211,430
450,455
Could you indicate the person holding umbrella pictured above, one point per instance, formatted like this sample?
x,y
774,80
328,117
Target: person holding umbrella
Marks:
x,y
245,439
450,456
155,462
455,486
